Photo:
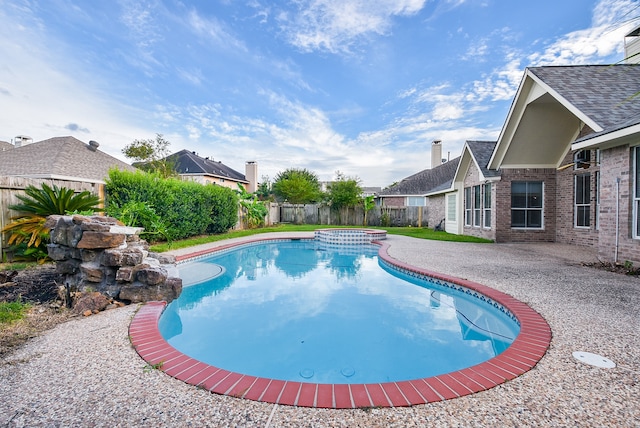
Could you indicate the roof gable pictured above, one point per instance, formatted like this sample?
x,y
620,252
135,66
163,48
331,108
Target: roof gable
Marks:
x,y
60,157
425,182
477,153
555,104
187,162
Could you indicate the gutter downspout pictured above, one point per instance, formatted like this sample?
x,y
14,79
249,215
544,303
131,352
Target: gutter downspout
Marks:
x,y
615,257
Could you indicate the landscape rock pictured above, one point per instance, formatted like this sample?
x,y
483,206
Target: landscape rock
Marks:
x,y
91,302
94,240
100,254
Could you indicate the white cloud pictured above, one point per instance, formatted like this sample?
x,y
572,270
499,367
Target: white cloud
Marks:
x,y
336,25
612,19
214,32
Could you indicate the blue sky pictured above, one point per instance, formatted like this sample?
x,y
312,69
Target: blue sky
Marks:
x,y
357,86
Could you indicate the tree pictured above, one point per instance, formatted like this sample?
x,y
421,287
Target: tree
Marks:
x,y
264,191
256,210
368,203
38,203
151,155
298,186
344,192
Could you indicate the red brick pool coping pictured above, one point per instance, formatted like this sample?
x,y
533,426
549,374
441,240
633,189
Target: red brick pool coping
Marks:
x,y
524,353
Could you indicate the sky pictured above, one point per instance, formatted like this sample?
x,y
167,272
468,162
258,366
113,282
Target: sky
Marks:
x,y
357,86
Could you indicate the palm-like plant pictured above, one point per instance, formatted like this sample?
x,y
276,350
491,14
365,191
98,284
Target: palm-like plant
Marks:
x,y
37,204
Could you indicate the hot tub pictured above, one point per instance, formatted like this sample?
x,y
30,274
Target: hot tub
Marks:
x,y
349,236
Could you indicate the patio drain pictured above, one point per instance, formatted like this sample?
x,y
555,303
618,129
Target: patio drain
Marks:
x,y
594,359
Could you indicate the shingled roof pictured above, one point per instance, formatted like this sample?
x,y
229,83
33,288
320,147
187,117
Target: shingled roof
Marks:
x,y
607,94
425,181
482,151
60,157
187,162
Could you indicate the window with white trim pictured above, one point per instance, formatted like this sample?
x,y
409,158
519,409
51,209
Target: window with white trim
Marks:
x,y
526,204
486,191
451,207
416,201
477,207
582,159
467,206
582,206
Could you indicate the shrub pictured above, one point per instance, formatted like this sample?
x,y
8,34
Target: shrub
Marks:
x,y
184,208
27,234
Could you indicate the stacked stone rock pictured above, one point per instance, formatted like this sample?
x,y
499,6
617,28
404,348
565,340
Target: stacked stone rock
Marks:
x,y
100,254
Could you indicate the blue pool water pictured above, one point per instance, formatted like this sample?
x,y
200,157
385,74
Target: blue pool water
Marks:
x,y
304,311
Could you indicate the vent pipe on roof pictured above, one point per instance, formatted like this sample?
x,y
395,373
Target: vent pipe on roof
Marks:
x,y
93,145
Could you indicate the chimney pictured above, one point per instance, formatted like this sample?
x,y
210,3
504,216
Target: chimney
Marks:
x,y
436,153
251,174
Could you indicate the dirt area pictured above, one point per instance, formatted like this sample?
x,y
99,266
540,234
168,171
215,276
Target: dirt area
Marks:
x,y
622,268
37,286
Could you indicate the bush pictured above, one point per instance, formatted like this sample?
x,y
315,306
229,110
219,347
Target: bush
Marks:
x,y
184,208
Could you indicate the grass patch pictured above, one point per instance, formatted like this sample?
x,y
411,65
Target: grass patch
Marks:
x,y
414,232
17,265
12,311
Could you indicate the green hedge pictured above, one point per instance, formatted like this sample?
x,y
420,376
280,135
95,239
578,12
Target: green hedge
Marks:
x,y
186,208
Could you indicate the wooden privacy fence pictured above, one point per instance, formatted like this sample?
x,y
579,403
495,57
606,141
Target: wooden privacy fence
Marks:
x,y
323,214
10,187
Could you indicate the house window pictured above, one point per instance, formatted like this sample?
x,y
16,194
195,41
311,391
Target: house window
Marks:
x,y
487,205
636,193
526,204
467,206
582,159
582,207
477,208
451,207
416,201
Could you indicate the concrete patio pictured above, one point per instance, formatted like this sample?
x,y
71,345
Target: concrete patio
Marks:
x,y
85,372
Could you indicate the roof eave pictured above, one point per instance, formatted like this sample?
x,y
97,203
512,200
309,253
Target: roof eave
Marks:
x,y
60,177
620,137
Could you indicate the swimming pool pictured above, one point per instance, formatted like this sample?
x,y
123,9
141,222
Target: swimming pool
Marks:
x,y
308,383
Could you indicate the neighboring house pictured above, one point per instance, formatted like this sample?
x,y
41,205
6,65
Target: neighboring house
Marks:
x,y
192,167
370,191
426,188
59,158
565,168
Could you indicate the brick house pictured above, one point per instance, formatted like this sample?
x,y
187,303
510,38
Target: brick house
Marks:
x,y
192,167
565,168
425,189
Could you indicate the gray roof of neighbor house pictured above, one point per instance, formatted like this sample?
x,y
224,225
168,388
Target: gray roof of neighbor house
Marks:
x,y
59,157
482,151
5,146
187,162
425,181
605,93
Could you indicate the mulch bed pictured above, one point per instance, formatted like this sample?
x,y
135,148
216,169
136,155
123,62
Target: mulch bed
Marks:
x,y
37,286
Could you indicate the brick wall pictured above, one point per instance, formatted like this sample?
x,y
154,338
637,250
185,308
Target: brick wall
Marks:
x,y
503,230
393,202
566,231
435,210
616,163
